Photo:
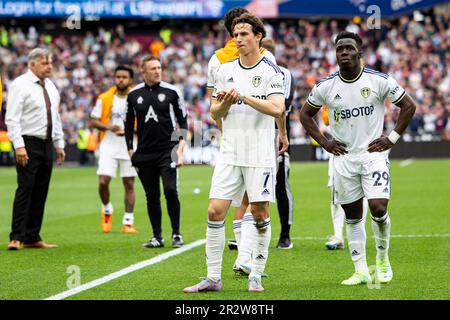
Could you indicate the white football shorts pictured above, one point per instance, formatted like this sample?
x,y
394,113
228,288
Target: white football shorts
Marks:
x,y
356,176
229,182
107,166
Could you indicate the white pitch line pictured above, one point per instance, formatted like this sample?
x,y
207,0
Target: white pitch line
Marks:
x,y
126,271
406,162
438,235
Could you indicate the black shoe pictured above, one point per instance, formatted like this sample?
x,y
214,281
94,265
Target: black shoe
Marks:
x,y
154,243
284,243
232,245
177,241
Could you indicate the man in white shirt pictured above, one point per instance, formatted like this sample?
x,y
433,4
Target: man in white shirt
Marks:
x,y
34,125
248,149
355,99
108,115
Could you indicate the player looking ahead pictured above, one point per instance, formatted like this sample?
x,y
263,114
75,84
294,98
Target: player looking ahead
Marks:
x,y
355,97
243,219
247,153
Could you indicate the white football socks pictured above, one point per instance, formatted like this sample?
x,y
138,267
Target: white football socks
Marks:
x,y
108,208
262,234
356,235
247,242
338,216
382,230
128,218
237,231
215,242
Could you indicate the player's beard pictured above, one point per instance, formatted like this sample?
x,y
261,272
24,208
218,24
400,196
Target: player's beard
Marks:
x,y
121,87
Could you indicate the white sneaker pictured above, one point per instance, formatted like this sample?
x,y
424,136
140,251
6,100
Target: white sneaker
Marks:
x,y
334,243
204,286
357,278
239,269
384,272
255,285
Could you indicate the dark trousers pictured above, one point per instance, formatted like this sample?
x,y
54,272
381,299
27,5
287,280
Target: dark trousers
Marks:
x,y
149,175
285,200
32,188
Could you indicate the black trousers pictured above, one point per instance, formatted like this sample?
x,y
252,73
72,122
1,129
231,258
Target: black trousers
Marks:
x,y
161,166
285,200
32,188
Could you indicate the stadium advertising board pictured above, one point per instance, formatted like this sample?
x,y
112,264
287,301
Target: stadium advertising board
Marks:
x,y
350,8
132,8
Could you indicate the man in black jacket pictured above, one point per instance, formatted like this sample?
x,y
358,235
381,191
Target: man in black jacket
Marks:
x,y
157,106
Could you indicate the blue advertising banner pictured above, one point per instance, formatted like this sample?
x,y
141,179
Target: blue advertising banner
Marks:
x,y
120,9
350,8
207,8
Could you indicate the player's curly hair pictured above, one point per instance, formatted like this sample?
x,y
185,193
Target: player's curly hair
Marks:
x,y
254,21
349,35
127,68
230,16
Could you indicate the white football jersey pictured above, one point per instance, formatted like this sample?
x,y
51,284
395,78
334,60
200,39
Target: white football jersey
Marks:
x,y
356,108
214,64
111,144
248,136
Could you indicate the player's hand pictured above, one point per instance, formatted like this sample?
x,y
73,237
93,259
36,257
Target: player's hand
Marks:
x,y
381,144
60,156
180,153
335,147
22,156
120,133
180,161
229,98
130,152
283,143
114,128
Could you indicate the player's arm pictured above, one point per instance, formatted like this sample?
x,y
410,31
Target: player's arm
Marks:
x,y
273,106
209,94
407,109
181,115
129,126
213,66
222,103
307,113
282,134
95,119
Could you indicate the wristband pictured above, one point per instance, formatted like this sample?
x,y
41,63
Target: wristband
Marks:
x,y
241,97
393,136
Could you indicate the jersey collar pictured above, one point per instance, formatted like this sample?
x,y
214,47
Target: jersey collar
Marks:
x,y
353,80
153,87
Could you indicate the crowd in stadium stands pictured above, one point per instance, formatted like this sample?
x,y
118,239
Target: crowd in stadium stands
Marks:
x,y
417,54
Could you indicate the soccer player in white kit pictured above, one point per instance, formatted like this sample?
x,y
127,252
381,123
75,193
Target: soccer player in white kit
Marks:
x,y
336,241
248,95
108,115
355,97
243,219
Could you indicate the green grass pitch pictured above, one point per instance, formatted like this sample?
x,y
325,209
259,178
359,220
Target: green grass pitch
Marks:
x,y
419,206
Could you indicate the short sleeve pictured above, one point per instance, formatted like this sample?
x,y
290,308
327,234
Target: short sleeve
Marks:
x,y
270,56
220,83
392,90
213,67
275,85
96,112
315,98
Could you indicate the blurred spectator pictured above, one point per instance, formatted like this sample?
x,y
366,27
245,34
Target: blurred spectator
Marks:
x,y
415,53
